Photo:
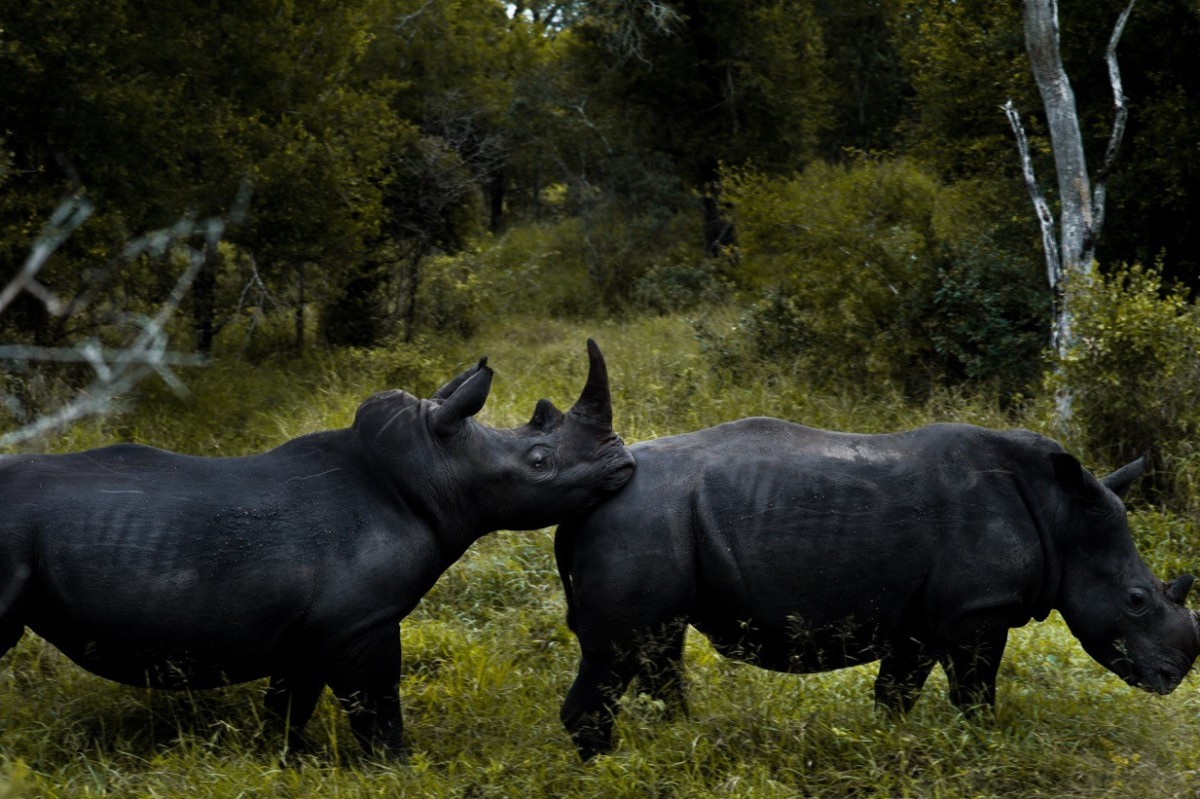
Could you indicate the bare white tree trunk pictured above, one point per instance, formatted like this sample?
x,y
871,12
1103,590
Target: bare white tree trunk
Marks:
x,y
1069,254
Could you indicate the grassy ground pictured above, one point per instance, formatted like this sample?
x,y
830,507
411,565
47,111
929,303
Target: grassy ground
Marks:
x,y
488,657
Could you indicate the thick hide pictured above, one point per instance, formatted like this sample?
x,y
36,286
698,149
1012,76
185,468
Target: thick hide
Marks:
x,y
171,571
802,550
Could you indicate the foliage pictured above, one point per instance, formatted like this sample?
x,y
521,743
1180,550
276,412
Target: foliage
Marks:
x,y
1134,375
876,270
450,301
871,89
596,263
683,279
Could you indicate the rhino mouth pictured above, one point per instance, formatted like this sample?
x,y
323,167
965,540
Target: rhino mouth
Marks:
x,y
1161,679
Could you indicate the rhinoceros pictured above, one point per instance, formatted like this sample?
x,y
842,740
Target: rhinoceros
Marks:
x,y
157,569
802,550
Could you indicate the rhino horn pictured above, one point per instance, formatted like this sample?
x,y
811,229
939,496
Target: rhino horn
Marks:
x,y
1177,589
594,405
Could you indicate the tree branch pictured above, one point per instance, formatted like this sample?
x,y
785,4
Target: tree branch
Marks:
x,y
1040,206
1118,129
117,370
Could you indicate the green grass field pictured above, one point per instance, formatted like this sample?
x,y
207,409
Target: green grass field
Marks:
x,y
488,656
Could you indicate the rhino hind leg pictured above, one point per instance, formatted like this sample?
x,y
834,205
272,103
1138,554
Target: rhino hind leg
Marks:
x,y
367,684
903,669
290,701
12,592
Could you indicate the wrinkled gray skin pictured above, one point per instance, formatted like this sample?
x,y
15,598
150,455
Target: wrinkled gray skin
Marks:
x,y
802,550
164,570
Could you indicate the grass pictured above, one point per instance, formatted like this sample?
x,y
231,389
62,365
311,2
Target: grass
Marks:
x,y
488,657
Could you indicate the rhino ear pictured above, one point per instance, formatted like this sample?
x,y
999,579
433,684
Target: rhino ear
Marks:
x,y
545,416
1070,475
1177,589
466,401
1119,481
445,391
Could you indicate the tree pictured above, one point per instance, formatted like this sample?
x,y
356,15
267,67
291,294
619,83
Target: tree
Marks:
x,y
871,90
708,82
963,56
149,108
1070,255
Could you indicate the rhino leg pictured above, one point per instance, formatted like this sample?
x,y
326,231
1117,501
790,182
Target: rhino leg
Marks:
x,y
903,669
660,670
591,705
971,665
366,680
290,701
12,592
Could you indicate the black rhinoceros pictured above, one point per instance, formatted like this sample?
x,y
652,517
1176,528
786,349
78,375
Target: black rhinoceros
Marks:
x,y
164,570
802,550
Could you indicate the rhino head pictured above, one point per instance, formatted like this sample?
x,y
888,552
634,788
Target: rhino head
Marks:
x,y
467,479
1129,621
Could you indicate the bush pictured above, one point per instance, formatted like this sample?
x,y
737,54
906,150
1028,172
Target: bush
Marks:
x,y
1134,378
356,315
681,280
887,276
448,300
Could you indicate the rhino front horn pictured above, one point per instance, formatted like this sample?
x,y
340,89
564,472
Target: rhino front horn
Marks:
x,y
595,403
1177,589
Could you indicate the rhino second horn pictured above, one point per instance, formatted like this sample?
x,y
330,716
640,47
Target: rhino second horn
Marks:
x,y
595,403
1177,589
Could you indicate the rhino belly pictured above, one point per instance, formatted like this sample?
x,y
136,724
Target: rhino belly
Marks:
x,y
148,667
794,645
163,631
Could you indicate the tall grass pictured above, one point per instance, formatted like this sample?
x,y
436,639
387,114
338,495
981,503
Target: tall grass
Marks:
x,y
488,656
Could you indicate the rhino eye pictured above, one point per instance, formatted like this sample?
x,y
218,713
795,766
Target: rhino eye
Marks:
x,y
1138,602
539,459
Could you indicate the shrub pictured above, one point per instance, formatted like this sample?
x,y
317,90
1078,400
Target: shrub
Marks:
x,y
448,300
1133,376
356,315
885,275
681,280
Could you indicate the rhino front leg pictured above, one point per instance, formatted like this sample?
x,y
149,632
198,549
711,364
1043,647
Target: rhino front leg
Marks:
x,y
367,683
591,705
971,666
660,671
290,701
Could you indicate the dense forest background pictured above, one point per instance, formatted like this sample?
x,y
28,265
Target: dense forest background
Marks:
x,y
843,169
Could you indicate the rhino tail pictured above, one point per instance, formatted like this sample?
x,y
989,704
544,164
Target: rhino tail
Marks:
x,y
562,558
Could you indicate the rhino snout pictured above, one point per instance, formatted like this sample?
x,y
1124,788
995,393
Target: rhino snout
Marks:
x,y
1162,674
1162,682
